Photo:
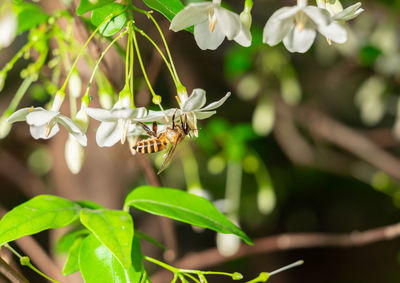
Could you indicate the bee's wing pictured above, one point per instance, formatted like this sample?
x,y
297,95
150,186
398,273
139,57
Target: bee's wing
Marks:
x,y
168,158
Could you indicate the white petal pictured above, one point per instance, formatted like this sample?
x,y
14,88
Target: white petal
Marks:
x,y
139,112
39,132
100,114
40,116
19,115
228,21
349,13
108,134
158,116
244,36
122,113
216,104
317,15
70,125
204,115
195,101
192,14
206,39
136,130
297,41
335,32
278,26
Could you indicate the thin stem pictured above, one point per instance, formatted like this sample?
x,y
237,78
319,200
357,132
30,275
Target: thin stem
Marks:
x,y
162,264
161,54
83,49
19,54
141,63
192,277
101,58
20,93
294,264
131,74
28,264
149,15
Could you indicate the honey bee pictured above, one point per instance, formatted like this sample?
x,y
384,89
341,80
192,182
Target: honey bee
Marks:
x,y
172,135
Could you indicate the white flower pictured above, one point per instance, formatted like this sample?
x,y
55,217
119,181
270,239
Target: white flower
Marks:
x,y
296,26
212,24
116,124
74,155
339,16
8,26
43,124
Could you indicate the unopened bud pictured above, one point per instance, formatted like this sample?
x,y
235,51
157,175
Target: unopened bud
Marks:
x,y
75,84
3,76
156,99
25,260
82,118
106,99
74,155
58,100
237,276
227,244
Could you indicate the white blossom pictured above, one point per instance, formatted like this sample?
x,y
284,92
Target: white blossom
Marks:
x,y
116,124
8,25
297,27
212,24
74,155
43,124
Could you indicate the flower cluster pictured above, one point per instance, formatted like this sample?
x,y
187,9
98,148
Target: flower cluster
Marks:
x,y
295,26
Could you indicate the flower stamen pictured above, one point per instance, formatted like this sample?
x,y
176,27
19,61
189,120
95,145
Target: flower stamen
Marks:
x,y
212,20
300,20
124,130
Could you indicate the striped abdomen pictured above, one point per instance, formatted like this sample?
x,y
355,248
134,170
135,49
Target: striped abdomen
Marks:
x,y
150,145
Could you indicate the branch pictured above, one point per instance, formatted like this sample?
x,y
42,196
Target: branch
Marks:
x,y
283,242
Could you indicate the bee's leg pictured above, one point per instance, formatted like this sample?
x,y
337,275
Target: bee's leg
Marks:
x,y
173,119
155,128
148,130
185,125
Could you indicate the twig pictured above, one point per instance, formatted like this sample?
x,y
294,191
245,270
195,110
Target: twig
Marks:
x,y
282,242
11,274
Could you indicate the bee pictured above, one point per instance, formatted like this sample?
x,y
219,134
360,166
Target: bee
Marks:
x,y
172,135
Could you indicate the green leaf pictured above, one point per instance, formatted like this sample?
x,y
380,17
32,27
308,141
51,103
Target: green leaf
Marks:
x,y
89,204
97,264
182,206
72,263
169,8
29,16
115,24
40,213
66,241
114,229
89,5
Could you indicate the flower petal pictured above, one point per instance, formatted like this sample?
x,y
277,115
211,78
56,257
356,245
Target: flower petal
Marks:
x,y
100,114
206,39
278,25
39,116
335,32
158,116
195,101
108,134
123,112
317,15
301,41
74,129
243,37
216,104
204,115
192,14
39,132
349,13
228,21
19,115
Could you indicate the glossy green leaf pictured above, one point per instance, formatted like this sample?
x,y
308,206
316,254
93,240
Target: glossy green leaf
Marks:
x,y
37,214
97,264
114,229
169,8
89,204
115,24
66,241
29,16
72,263
89,5
182,206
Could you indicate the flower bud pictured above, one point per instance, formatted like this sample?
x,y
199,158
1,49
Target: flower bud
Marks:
x,y
8,26
125,98
106,99
74,155
182,94
264,117
266,200
245,18
25,260
75,84
3,76
227,244
58,100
